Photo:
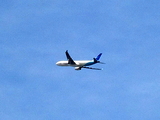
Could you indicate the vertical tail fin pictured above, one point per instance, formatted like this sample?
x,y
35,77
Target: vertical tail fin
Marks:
x,y
98,57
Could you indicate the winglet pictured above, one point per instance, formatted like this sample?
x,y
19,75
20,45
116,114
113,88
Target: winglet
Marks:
x,y
98,57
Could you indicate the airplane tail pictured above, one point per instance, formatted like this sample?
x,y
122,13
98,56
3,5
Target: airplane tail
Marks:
x,y
98,57
96,60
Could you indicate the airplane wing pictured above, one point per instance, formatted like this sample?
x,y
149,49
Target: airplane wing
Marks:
x,y
70,60
91,68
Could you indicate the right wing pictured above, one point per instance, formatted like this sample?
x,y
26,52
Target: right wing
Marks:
x,y
92,68
70,60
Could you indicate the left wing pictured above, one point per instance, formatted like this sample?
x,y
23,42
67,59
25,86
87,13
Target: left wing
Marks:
x,y
70,60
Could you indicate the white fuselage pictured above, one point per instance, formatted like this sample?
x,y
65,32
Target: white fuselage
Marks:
x,y
79,63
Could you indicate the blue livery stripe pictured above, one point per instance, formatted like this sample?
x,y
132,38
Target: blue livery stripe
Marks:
x,y
89,63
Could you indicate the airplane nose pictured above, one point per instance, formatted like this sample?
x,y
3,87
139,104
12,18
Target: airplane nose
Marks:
x,y
56,63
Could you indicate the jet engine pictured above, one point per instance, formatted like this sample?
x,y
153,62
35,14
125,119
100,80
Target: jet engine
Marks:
x,y
77,68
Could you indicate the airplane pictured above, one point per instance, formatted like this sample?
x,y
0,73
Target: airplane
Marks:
x,y
79,64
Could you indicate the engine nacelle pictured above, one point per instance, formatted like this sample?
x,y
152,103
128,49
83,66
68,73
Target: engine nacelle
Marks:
x,y
77,68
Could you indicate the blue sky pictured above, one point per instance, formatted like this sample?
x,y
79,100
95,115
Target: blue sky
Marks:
x,y
35,34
